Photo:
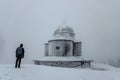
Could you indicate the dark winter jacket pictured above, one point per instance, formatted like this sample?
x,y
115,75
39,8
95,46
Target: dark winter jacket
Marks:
x,y
20,55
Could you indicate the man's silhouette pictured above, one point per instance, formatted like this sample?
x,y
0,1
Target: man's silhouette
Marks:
x,y
19,55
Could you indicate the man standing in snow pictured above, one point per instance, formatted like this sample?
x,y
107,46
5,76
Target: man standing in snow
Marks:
x,y
19,55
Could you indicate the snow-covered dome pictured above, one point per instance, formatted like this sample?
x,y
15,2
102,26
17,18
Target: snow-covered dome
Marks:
x,y
64,32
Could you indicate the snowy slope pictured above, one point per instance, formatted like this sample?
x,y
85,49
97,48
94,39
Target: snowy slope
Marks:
x,y
37,72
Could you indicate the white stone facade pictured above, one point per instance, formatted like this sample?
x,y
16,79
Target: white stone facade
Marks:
x,y
60,48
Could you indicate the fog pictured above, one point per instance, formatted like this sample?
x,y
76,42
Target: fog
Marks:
x,y
33,22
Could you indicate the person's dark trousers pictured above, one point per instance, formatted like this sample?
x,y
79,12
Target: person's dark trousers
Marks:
x,y
18,62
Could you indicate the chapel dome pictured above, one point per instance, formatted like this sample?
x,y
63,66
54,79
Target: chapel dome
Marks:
x,y
64,32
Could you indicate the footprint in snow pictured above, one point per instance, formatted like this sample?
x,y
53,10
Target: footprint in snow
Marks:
x,y
6,74
10,79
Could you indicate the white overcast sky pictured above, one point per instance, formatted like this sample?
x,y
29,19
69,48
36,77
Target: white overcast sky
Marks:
x,y
33,22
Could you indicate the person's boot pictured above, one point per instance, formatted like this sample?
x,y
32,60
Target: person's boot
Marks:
x,y
18,66
15,66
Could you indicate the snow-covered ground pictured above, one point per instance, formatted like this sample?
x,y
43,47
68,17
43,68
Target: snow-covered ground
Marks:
x,y
40,72
57,58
